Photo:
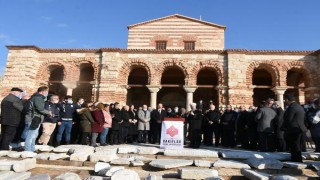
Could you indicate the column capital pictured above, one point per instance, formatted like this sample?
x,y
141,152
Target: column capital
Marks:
x,y
279,90
190,89
69,84
153,88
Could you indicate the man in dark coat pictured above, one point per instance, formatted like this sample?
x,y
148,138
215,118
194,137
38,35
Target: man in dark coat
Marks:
x,y
228,121
212,125
195,118
11,108
115,137
294,127
266,118
280,141
157,116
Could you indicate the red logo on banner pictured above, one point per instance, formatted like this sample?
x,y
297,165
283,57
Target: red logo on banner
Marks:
x,y
172,131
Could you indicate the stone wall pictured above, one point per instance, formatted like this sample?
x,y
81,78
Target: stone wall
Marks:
x,y
28,68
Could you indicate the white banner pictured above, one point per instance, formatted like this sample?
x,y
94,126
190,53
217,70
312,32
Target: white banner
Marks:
x,y
172,135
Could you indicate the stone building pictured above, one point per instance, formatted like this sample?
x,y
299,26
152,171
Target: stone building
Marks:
x,y
174,60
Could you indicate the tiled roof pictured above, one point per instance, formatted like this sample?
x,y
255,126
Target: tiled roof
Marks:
x,y
169,51
179,16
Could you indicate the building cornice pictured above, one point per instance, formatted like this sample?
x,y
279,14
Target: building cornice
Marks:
x,y
168,51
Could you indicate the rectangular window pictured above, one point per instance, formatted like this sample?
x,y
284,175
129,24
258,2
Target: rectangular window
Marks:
x,y
161,45
189,45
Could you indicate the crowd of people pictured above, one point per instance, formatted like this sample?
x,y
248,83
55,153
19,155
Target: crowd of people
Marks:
x,y
43,119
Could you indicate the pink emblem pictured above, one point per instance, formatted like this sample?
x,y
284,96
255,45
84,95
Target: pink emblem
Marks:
x,y
172,131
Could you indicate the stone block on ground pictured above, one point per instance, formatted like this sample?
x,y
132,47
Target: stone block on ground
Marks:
x,y
14,154
295,165
141,158
170,163
148,150
125,174
5,174
100,166
68,176
283,177
24,165
121,161
97,178
191,153
107,149
4,153
127,150
61,149
153,177
44,148
230,164
6,165
136,163
28,154
113,169
195,173
214,178
57,156
43,156
203,163
19,176
80,156
40,177
254,175
263,163
100,156
230,154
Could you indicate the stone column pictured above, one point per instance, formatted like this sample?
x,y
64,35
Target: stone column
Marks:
x,y
70,85
301,94
95,90
280,92
190,90
153,95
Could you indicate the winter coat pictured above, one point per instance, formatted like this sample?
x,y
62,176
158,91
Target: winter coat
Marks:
x,y
314,128
98,117
11,108
133,127
86,120
144,120
116,120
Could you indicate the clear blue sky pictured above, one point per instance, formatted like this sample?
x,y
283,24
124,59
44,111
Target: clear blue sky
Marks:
x,y
251,24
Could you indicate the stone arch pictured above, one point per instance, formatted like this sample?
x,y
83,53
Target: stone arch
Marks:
x,y
92,61
161,38
269,66
44,71
172,63
208,65
130,65
297,66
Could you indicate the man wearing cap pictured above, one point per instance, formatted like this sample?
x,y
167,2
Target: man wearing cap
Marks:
x,y
11,108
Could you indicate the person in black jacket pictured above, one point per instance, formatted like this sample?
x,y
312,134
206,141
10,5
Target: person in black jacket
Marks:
x,y
115,137
228,121
294,127
38,113
49,122
313,118
125,124
68,109
157,116
212,125
195,118
280,141
133,125
11,108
